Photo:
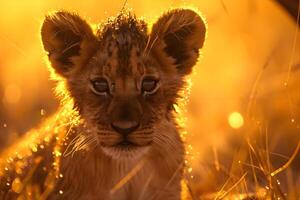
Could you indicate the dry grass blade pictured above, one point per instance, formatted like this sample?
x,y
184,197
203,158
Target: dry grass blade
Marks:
x,y
124,6
159,193
27,179
224,7
288,163
232,187
131,174
253,92
221,190
294,47
145,186
14,45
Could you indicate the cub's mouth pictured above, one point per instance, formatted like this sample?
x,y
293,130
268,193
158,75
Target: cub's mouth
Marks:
x,y
117,146
125,140
125,144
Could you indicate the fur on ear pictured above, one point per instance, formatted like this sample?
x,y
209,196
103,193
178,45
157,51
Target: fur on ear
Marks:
x,y
68,39
176,39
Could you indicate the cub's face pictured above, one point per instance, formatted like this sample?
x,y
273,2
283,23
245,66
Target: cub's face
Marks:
x,y
124,80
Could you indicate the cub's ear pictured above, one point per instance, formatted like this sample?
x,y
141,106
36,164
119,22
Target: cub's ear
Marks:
x,y
177,37
69,41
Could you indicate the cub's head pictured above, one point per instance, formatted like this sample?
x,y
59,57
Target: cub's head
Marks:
x,y
123,79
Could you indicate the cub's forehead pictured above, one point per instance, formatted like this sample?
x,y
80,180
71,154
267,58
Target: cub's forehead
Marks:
x,y
116,60
122,44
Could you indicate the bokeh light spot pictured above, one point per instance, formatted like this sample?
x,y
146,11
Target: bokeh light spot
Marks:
x,y
235,120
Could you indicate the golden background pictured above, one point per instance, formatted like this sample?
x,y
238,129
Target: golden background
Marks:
x,y
244,86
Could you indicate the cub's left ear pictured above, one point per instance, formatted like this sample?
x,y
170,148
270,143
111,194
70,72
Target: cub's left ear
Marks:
x,y
177,37
69,41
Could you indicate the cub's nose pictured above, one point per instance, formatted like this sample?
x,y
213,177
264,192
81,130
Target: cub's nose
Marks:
x,y
125,127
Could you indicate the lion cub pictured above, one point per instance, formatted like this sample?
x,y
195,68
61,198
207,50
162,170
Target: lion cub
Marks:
x,y
115,136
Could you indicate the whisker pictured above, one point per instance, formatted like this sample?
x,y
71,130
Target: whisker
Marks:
x,y
80,142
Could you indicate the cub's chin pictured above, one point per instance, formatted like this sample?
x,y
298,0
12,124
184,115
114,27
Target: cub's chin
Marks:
x,y
125,152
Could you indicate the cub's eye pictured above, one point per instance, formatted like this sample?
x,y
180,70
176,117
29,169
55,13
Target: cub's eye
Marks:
x,y
100,86
149,85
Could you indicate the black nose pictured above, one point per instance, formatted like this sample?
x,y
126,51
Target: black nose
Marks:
x,y
125,127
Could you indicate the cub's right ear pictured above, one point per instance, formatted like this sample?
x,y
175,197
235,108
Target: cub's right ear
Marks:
x,y
69,41
177,37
